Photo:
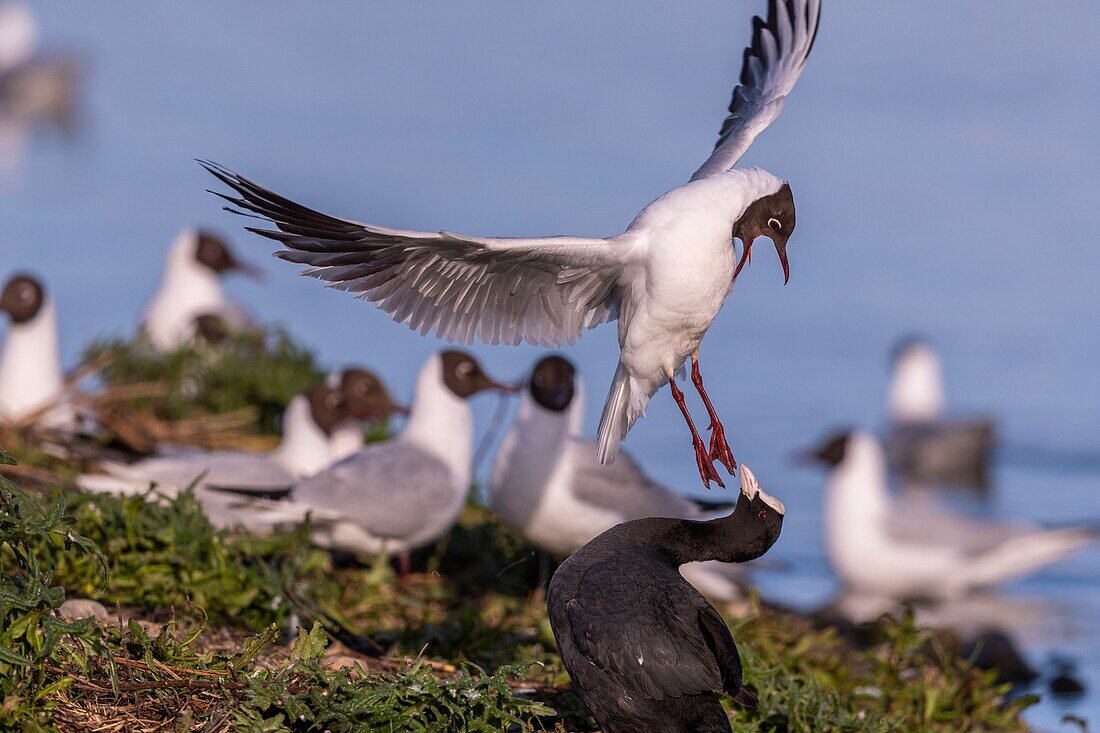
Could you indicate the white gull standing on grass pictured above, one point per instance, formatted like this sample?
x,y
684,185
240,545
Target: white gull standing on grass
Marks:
x,y
878,545
664,279
191,288
547,485
395,496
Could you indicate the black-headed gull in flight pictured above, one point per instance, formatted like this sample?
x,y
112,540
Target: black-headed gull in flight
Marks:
x,y
665,278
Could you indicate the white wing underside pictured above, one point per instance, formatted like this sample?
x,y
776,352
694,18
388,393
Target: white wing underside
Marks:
x,y
544,291
769,70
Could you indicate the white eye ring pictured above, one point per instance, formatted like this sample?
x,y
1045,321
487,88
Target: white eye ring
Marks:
x,y
775,224
464,370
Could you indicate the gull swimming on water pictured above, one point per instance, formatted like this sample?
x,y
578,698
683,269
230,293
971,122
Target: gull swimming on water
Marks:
x,y
191,289
664,279
881,546
924,442
547,485
396,496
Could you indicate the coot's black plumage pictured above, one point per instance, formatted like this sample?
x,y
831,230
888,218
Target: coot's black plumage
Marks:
x,y
646,652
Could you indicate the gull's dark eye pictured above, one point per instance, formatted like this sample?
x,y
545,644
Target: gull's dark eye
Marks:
x,y
762,515
775,224
464,370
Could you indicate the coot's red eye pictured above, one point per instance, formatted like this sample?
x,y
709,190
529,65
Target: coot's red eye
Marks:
x,y
762,515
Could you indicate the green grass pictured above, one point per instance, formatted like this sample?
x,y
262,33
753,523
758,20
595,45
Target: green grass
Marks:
x,y
459,647
249,369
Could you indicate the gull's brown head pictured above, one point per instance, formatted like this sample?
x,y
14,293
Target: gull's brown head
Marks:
x,y
22,298
771,216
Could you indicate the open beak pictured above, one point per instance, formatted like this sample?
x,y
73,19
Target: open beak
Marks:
x,y
781,250
745,256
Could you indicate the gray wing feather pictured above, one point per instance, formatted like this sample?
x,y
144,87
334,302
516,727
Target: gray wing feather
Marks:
x,y
769,69
622,486
544,291
388,489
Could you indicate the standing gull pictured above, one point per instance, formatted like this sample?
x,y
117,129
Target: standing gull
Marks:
x,y
548,487
393,497
665,278
32,383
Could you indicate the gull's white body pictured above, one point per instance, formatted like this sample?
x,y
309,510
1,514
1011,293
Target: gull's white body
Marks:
x,y
877,546
304,450
395,496
18,35
31,378
664,278
680,264
187,290
916,385
546,485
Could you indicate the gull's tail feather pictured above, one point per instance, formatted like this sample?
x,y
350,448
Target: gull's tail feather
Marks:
x,y
615,420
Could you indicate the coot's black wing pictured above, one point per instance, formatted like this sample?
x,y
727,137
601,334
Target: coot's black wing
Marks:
x,y
645,632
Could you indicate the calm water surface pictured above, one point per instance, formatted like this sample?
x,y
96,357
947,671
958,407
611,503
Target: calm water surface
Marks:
x,y
942,158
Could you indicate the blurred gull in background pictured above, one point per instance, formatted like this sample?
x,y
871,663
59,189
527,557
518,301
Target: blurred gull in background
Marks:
x,y
547,485
904,549
36,90
191,288
923,441
32,382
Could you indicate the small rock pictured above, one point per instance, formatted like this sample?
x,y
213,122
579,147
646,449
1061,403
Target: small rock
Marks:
x,y
77,608
1066,685
995,650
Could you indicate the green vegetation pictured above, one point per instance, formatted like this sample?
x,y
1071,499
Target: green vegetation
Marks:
x,y
248,370
198,615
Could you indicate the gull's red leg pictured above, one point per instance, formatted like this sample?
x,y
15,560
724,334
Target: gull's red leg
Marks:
x,y
719,448
704,461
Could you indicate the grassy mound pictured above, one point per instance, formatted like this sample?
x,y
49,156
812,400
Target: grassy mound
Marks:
x,y
193,640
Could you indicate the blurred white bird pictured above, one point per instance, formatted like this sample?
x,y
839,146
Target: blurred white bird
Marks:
x,y
664,278
547,485
905,550
32,383
396,496
924,442
191,288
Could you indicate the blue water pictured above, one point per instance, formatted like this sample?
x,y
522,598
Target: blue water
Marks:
x,y
941,156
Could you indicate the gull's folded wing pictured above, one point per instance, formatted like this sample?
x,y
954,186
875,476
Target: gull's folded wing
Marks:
x,y
543,291
769,69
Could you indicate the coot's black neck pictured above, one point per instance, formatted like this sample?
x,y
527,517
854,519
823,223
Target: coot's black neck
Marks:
x,y
733,538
